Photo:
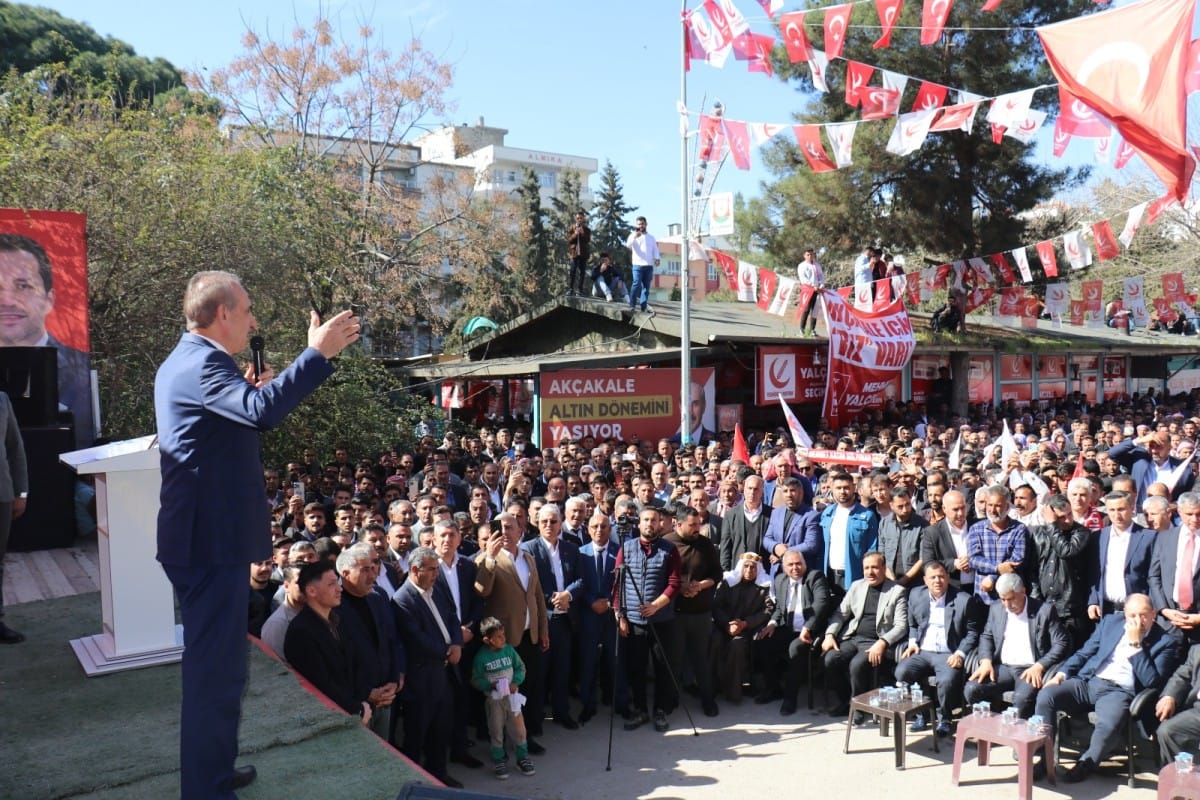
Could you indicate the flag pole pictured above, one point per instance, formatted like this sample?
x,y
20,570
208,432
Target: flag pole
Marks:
x,y
685,320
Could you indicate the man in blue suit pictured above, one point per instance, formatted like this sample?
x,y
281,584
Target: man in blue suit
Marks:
x,y
850,531
432,640
1148,459
597,626
212,521
794,526
558,572
456,585
1120,561
1124,655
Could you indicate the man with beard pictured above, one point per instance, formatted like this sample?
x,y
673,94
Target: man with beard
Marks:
x,y
995,545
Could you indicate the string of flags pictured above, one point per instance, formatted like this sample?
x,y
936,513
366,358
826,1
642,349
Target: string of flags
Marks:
x,y
979,279
1146,106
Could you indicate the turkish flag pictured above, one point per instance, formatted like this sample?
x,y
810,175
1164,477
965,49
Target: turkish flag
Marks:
x,y
933,19
888,11
1046,255
1077,119
795,38
808,138
930,95
857,76
879,102
712,139
1130,65
1006,273
738,135
837,18
1106,242
956,118
1191,82
750,46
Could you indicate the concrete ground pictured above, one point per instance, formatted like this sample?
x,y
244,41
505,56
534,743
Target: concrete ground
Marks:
x,y
750,747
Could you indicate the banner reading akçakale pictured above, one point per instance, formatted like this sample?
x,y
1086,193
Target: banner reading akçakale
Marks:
x,y
624,404
867,352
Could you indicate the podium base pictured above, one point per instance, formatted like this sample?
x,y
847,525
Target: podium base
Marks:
x,y
96,656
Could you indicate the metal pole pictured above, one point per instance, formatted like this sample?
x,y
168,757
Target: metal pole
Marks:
x,y
685,321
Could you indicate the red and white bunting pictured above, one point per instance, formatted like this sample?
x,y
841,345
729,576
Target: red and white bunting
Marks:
x,y
747,286
1049,258
930,95
771,6
738,136
1172,284
1132,222
1022,260
1133,298
841,137
858,75
888,11
1011,109
1058,298
1079,253
808,139
763,132
768,282
818,66
1078,118
1093,295
795,37
959,117
783,296
712,139
983,272
714,39
837,21
1124,154
910,132
1025,130
1062,138
933,20
879,102
1103,149
1001,264
1106,243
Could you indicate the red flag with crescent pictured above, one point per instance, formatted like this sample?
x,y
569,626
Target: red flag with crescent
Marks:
x,y
857,77
1046,255
738,134
1172,284
930,95
712,139
1106,242
837,20
1002,267
1130,64
933,20
808,139
795,37
889,11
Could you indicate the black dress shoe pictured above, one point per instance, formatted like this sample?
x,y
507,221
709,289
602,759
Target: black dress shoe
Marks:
x,y
241,778
567,723
840,711
533,746
1083,768
1039,770
586,715
466,759
9,636
787,708
710,708
450,781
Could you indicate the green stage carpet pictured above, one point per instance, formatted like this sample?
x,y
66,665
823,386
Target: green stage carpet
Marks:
x,y
63,735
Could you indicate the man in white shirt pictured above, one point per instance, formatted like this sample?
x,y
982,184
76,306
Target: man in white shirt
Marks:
x,y
643,249
810,273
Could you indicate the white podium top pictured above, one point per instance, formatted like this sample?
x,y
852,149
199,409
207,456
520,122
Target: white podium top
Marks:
x,y
130,455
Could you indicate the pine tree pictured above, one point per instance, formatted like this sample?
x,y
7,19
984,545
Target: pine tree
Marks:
x,y
960,194
535,243
560,219
609,218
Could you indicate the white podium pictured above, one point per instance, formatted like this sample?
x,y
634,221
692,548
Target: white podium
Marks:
x,y
137,601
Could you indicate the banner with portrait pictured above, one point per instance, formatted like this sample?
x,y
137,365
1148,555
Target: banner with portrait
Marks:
x,y
868,351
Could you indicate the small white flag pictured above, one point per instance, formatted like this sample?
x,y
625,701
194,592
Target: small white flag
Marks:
x,y
800,437
910,132
841,137
1022,260
1132,223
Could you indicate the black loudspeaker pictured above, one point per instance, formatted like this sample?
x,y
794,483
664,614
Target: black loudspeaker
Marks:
x,y
29,375
422,791
49,518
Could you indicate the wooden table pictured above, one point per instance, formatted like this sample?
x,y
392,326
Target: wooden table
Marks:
x,y
1172,784
895,715
991,730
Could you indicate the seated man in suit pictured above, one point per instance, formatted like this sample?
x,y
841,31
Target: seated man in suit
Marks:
x,y
1174,590
872,619
803,605
1124,655
1022,639
943,630
1177,709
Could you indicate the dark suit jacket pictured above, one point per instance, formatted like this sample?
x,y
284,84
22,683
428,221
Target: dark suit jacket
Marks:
x,y
424,647
1048,637
1151,667
373,665
816,602
14,472
964,613
568,556
75,388
595,585
936,545
209,419
1137,462
1184,683
1137,562
739,536
468,595
326,661
1162,571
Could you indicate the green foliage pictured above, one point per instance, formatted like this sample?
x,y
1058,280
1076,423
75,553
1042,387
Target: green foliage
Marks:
x,y
561,218
535,241
960,194
69,54
610,215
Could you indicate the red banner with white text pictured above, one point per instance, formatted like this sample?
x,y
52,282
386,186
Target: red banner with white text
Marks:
x,y
867,352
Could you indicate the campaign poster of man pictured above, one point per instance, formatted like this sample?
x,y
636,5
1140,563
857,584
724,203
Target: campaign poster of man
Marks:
x,y
43,300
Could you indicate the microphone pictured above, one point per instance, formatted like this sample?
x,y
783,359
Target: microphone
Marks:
x,y
256,351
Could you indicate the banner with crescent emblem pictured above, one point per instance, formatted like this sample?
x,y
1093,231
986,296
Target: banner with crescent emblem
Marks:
x,y
783,296
818,65
1133,297
716,48
738,136
791,374
795,37
867,355
747,285
1077,118
720,214
1132,222
1077,311
841,137
958,117
1021,258
768,281
978,296
712,139
1157,208
1049,259
933,20
1172,284
930,95
1001,264
1026,129
837,20
864,300
1011,109
1079,253
888,11
1130,64
910,132
763,132
1061,138
1125,153
1104,150
771,7
729,267
808,139
1093,298
1106,242
1012,300
928,277
879,102
858,75
912,287
1058,298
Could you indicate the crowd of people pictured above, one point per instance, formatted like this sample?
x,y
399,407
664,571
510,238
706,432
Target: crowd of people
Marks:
x,y
482,588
